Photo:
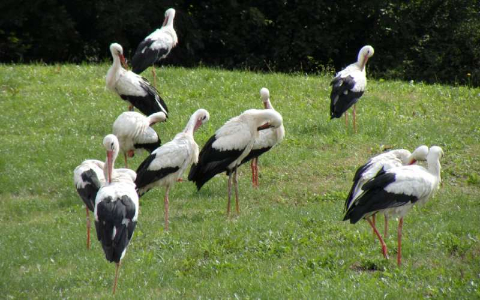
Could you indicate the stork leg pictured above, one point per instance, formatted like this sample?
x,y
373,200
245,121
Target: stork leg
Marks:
x,y
117,267
130,108
374,221
384,246
399,252
252,165
235,183
229,193
385,234
154,76
354,118
166,202
346,120
88,227
256,172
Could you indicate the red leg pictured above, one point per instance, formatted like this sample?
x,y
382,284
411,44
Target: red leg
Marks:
x,y
116,277
374,221
354,118
399,253
235,184
384,247
385,234
346,120
229,193
130,107
154,76
166,202
252,165
88,227
256,171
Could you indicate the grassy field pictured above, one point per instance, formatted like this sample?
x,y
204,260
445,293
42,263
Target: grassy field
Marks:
x,y
289,240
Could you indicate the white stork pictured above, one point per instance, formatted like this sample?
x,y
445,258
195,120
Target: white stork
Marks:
x,y
156,46
348,86
395,192
231,143
383,162
116,208
134,132
88,179
166,164
132,88
266,139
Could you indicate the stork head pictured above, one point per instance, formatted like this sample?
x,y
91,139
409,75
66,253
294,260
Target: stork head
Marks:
x,y
156,118
420,154
169,16
363,55
435,153
110,142
267,118
265,95
117,51
200,117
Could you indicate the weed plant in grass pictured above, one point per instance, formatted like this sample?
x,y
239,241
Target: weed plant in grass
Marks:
x,y
289,240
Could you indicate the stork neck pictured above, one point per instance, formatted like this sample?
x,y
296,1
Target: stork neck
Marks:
x,y
191,125
434,167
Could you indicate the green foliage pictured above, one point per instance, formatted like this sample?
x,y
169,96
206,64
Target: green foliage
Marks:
x,y
288,241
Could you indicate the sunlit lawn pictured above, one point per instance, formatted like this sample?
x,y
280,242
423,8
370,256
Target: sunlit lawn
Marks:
x,y
289,240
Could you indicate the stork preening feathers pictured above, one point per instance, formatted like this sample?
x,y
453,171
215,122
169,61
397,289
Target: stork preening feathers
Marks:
x,y
156,46
166,164
132,88
134,132
116,208
395,191
385,162
267,139
349,85
232,142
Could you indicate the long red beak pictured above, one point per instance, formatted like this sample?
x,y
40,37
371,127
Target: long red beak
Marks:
x,y
197,125
109,166
264,126
413,161
123,61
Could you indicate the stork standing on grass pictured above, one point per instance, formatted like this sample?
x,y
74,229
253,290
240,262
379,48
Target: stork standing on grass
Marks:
x,y
166,164
231,143
385,161
88,179
134,132
349,85
131,87
267,139
116,208
156,46
395,192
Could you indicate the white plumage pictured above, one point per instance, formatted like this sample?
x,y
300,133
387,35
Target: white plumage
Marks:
x,y
156,46
116,207
134,132
166,164
230,145
131,87
349,85
395,191
266,140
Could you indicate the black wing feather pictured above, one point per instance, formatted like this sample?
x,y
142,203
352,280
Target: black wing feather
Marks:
x,y
211,162
143,60
111,215
149,104
146,176
89,192
342,98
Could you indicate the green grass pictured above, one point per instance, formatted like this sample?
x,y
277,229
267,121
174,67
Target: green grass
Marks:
x,y
289,240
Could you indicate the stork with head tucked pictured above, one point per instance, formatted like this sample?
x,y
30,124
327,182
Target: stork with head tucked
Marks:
x,y
88,179
383,162
231,143
349,85
156,46
134,132
395,192
131,87
116,208
266,140
166,164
